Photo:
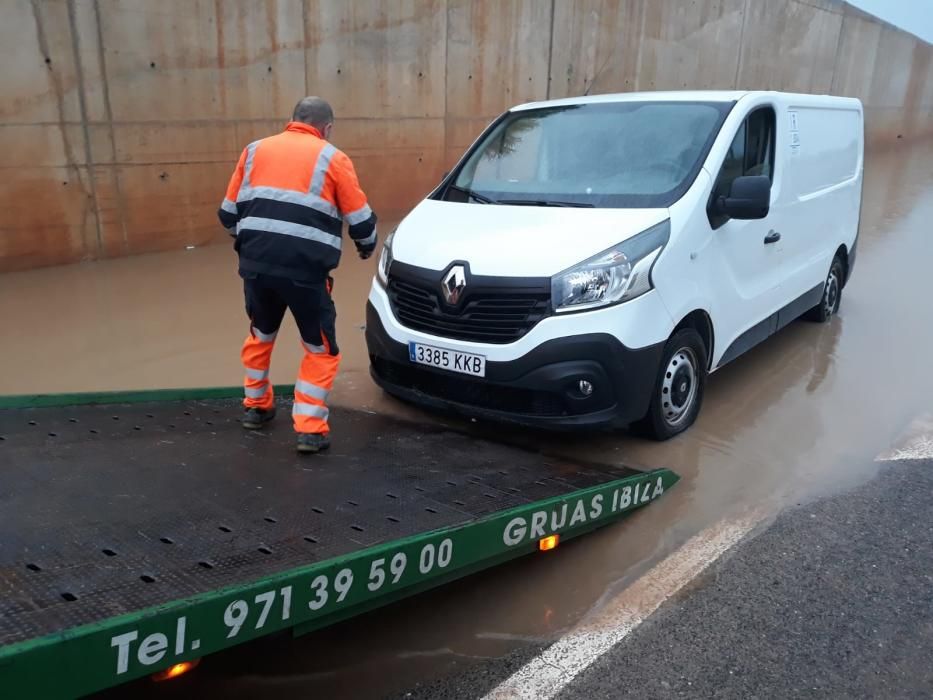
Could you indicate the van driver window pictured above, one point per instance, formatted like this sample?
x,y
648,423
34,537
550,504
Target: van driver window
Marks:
x,y
751,153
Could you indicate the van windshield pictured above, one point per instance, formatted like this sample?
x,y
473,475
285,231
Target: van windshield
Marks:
x,y
621,154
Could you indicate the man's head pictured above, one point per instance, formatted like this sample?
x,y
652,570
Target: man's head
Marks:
x,y
316,112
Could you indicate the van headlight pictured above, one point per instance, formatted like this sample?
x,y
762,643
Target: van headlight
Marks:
x,y
385,259
621,273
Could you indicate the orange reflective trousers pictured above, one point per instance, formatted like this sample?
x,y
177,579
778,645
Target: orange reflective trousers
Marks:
x,y
267,298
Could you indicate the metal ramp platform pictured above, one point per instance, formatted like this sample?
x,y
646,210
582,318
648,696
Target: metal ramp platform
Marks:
x,y
138,533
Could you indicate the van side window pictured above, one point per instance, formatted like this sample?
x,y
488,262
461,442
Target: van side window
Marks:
x,y
751,153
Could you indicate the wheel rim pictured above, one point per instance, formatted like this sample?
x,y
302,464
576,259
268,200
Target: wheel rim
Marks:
x,y
831,297
679,386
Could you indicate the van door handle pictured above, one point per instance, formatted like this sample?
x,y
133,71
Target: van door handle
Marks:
x,y
772,237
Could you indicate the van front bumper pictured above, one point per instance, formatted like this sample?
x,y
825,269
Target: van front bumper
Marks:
x,y
538,389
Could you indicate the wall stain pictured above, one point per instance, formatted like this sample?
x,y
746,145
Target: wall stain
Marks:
x,y
57,88
272,29
114,171
221,53
91,202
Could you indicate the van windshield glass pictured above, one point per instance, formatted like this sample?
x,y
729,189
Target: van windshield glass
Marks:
x,y
622,154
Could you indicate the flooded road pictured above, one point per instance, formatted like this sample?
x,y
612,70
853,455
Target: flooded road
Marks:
x,y
780,425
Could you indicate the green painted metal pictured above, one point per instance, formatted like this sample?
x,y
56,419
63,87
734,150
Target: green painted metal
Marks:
x,y
507,556
105,653
124,397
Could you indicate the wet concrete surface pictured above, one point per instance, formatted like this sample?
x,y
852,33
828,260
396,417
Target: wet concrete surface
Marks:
x,y
799,417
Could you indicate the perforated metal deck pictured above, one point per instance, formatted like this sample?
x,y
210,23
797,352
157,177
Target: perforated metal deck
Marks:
x,y
106,510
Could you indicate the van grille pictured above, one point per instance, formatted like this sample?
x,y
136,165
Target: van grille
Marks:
x,y
492,310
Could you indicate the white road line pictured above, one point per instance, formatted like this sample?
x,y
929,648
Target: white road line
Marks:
x,y
549,672
920,448
915,443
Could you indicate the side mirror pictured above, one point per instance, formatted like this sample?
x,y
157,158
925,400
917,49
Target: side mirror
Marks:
x,y
749,198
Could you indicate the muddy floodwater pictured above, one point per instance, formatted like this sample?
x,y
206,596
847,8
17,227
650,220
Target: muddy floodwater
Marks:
x,y
800,416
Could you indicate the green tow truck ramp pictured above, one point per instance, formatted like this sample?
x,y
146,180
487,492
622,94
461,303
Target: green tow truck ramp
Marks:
x,y
139,531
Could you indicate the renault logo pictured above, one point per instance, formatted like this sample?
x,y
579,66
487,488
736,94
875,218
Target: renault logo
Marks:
x,y
453,284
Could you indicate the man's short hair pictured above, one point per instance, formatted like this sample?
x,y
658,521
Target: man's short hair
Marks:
x,y
314,111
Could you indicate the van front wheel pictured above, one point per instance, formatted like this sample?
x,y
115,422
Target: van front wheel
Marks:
x,y
678,391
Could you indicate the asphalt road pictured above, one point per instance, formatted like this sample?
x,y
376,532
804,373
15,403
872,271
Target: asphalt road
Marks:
x,y
832,599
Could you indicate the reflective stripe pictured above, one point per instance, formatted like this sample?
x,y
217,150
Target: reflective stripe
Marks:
x,y
248,166
257,374
287,228
314,349
255,393
308,409
312,201
264,337
312,390
359,216
320,169
228,206
369,240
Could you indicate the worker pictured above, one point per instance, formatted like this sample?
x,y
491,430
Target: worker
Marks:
x,y
285,206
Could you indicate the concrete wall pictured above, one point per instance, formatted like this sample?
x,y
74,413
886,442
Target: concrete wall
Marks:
x,y
121,119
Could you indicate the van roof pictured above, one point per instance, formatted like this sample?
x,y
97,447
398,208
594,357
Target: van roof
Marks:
x,y
686,96
670,96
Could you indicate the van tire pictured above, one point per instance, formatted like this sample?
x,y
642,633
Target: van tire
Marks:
x,y
832,294
665,418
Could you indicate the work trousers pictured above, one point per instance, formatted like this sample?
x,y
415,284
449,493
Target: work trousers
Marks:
x,y
311,304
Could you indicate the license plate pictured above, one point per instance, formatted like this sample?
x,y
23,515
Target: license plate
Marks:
x,y
463,362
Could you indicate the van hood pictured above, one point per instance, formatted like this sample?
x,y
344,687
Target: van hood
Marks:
x,y
513,241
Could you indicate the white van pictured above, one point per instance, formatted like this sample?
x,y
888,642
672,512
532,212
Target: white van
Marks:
x,y
590,260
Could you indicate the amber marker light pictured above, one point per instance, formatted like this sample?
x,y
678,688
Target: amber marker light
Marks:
x,y
546,544
176,670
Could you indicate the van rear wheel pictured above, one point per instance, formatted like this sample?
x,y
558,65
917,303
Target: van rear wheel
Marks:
x,y
678,390
832,294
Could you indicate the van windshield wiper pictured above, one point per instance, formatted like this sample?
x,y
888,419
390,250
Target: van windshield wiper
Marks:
x,y
545,203
475,195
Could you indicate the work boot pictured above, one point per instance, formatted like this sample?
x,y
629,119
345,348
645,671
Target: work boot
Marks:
x,y
313,442
255,418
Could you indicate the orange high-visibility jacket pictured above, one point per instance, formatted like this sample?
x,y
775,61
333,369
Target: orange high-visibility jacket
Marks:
x,y
286,204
